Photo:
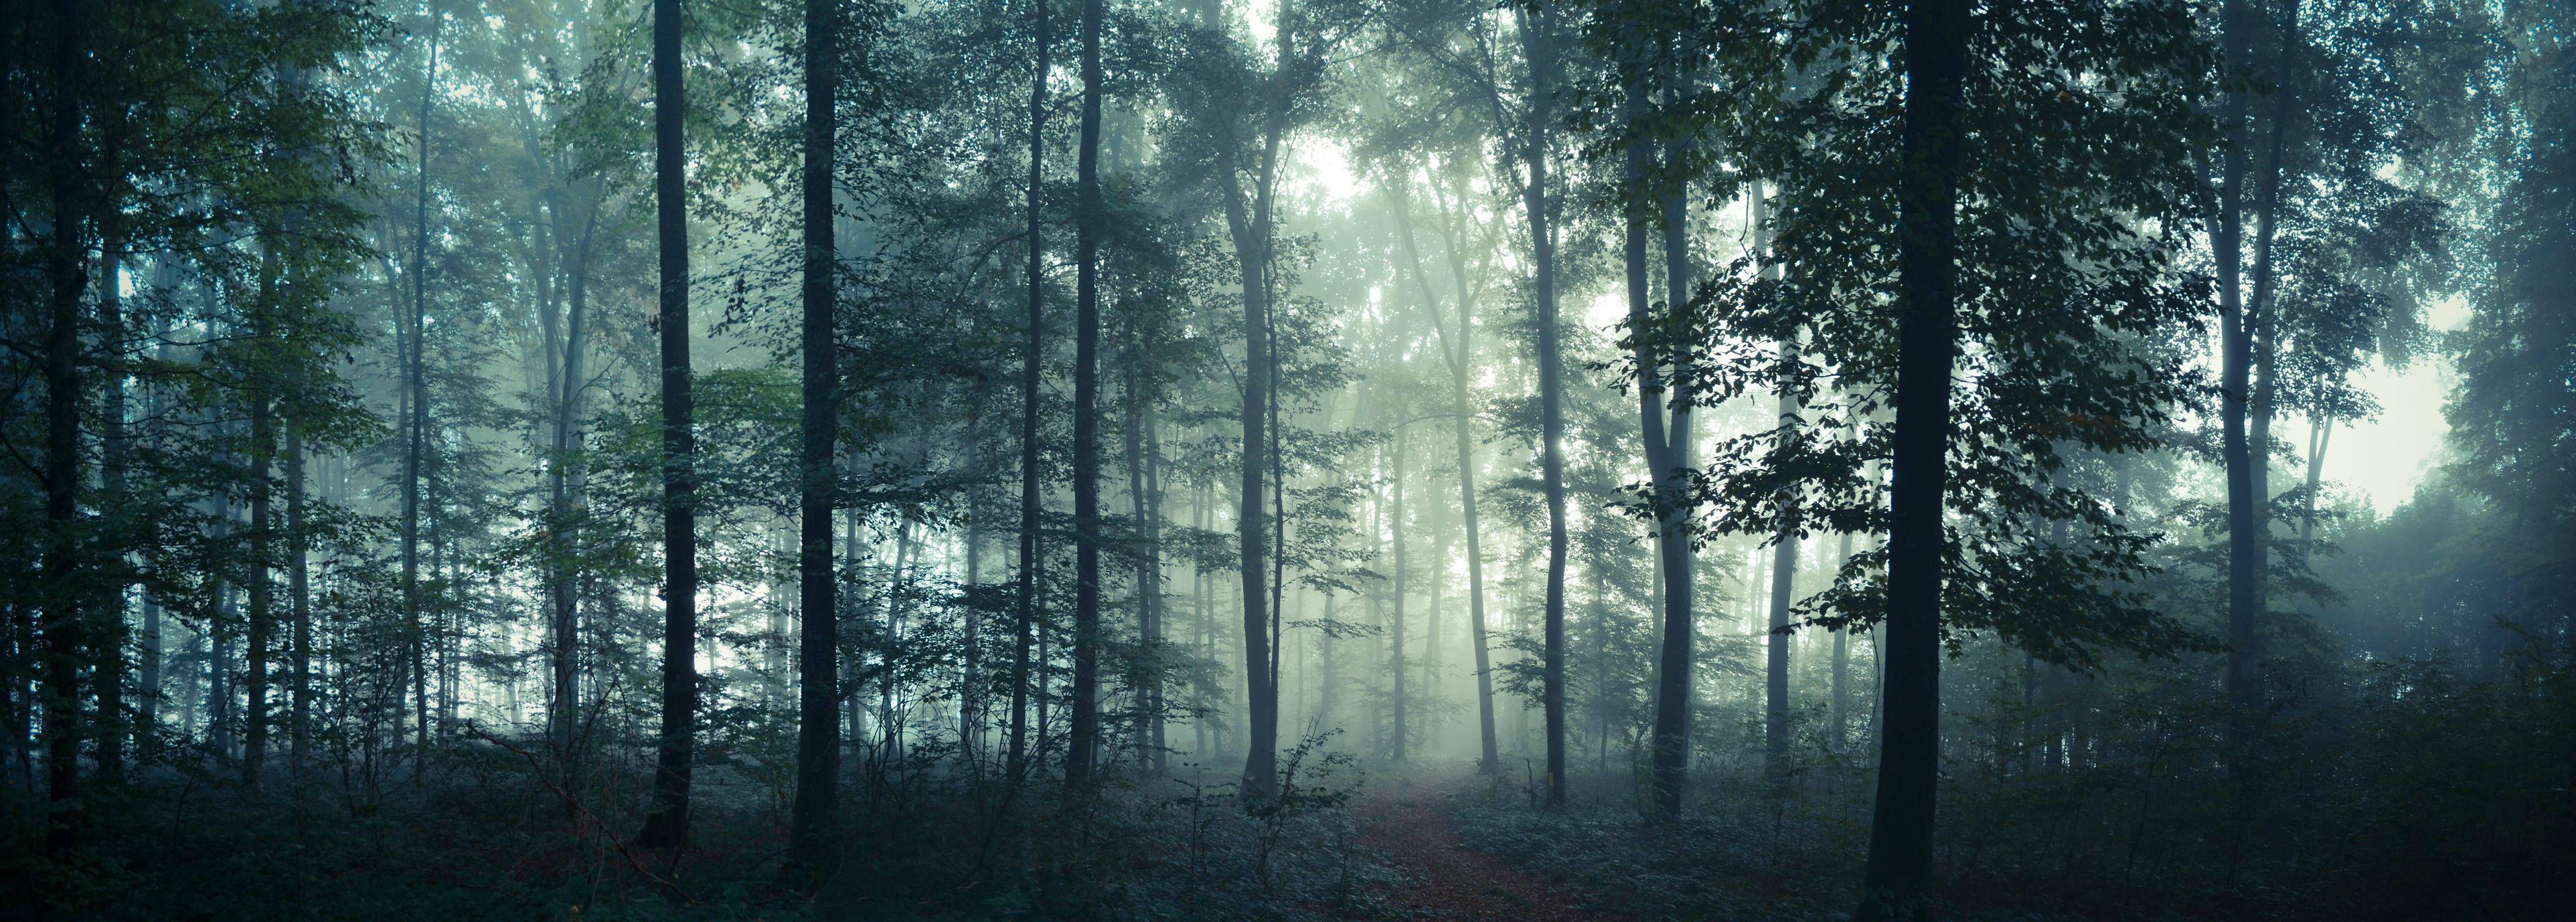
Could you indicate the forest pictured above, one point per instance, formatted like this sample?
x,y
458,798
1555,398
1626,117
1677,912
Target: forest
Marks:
x,y
1288,460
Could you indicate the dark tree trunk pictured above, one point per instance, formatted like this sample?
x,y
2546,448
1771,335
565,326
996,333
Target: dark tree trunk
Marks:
x,y
1249,223
416,411
1897,882
65,643
1784,575
1841,694
2244,568
1534,47
1671,742
666,823
1145,493
817,667
1084,742
299,600
1031,362
116,447
564,716
263,604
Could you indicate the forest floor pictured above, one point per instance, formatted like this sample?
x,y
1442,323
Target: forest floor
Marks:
x,y
1444,879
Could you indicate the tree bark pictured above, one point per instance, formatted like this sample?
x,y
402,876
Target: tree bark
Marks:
x,y
2320,437
116,446
1249,223
564,716
1671,733
818,743
1085,736
263,544
1395,620
1535,50
1459,354
1032,561
666,823
299,595
2244,567
65,642
1898,880
416,412
1841,694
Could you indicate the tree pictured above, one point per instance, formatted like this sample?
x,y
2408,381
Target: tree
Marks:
x,y
1084,738
666,824
66,640
1032,359
1900,834
1536,50
818,634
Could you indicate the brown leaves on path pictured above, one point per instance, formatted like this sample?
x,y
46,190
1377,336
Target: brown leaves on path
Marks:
x,y
1444,879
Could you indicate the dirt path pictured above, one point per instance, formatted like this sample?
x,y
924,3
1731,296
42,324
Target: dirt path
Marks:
x,y
1447,880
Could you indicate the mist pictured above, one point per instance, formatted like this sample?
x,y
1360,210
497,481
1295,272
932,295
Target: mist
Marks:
x,y
1331,459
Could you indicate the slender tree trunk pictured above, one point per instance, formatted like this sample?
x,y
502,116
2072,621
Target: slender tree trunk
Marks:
x,y
564,715
2320,437
1144,488
416,423
1841,693
1085,738
299,594
2262,328
113,731
1250,226
666,824
1784,575
1489,757
1395,621
1665,457
148,690
1534,46
818,744
1459,354
1032,358
263,605
1898,880
2244,567
65,644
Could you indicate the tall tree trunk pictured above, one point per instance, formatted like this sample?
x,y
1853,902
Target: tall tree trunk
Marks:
x,y
2244,567
1898,880
1084,743
1249,223
1458,353
666,824
1665,460
113,731
65,644
1784,550
1395,620
1535,50
416,412
1841,694
564,716
1032,561
148,692
2320,437
1145,489
2262,332
817,725
263,605
299,600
